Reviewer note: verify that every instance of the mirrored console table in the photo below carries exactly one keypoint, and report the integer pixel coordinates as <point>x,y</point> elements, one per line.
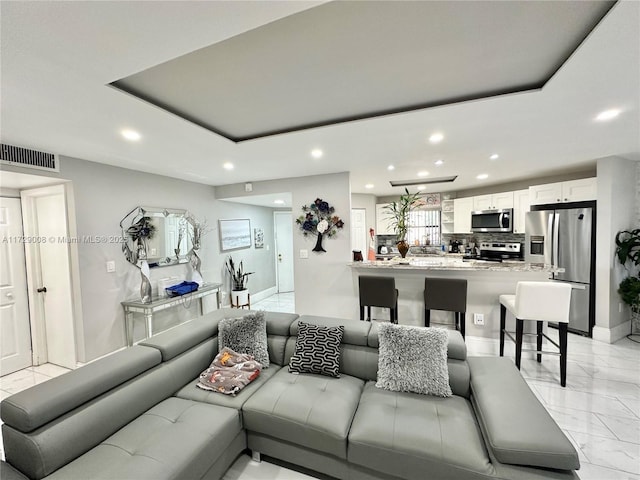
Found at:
<point>158,304</point>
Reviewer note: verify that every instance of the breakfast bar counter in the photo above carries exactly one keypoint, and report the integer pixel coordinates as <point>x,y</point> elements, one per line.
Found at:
<point>486,281</point>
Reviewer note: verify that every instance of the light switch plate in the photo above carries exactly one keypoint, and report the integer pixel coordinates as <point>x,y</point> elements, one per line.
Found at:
<point>111,266</point>
<point>304,253</point>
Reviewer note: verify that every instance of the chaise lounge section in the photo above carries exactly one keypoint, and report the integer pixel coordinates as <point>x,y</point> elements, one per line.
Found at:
<point>138,414</point>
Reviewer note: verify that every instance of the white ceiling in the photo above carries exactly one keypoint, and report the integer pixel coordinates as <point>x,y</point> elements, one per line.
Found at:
<point>59,57</point>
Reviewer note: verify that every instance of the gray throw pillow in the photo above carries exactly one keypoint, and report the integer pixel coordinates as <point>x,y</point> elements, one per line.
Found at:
<point>317,350</point>
<point>246,334</point>
<point>413,359</point>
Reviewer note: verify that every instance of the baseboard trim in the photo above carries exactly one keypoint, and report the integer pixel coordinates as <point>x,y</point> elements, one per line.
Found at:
<point>612,335</point>
<point>258,296</point>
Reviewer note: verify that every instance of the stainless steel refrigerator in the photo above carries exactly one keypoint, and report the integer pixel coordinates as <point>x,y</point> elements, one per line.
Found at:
<point>564,235</point>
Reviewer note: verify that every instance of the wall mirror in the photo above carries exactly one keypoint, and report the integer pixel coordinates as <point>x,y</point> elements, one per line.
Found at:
<point>161,236</point>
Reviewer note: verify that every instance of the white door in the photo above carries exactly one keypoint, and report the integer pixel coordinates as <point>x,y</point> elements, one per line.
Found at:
<point>15,331</point>
<point>359,230</point>
<point>283,225</point>
<point>49,275</point>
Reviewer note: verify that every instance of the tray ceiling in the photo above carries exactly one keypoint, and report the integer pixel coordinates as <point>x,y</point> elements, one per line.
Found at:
<point>345,61</point>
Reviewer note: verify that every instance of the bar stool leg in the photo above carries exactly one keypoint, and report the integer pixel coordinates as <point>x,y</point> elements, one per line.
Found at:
<point>519,329</point>
<point>462,324</point>
<point>427,318</point>
<point>361,312</point>
<point>539,340</point>
<point>368,313</point>
<point>562,327</point>
<point>503,322</point>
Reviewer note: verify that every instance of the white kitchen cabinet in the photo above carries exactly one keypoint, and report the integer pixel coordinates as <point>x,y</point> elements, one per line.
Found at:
<point>570,191</point>
<point>495,201</point>
<point>383,222</point>
<point>448,216</point>
<point>462,208</point>
<point>521,206</point>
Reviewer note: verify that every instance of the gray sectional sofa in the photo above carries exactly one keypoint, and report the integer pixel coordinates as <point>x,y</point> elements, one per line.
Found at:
<point>137,414</point>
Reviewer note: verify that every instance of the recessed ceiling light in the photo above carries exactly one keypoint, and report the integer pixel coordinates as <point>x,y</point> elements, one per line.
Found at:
<point>439,162</point>
<point>482,176</point>
<point>279,202</point>
<point>608,114</point>
<point>423,173</point>
<point>420,187</point>
<point>131,135</point>
<point>391,167</point>
<point>227,166</point>
<point>369,185</point>
<point>316,153</point>
<point>436,137</point>
<point>494,156</point>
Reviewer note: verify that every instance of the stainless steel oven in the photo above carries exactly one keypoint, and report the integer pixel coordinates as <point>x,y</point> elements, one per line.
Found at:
<point>492,220</point>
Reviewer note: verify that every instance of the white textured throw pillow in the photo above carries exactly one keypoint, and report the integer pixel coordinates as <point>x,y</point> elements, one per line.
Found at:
<point>247,335</point>
<point>413,359</point>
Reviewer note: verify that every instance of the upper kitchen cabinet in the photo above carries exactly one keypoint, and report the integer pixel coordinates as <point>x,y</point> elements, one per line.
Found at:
<point>447,216</point>
<point>521,206</point>
<point>462,208</point>
<point>571,191</point>
<point>495,201</point>
<point>383,222</point>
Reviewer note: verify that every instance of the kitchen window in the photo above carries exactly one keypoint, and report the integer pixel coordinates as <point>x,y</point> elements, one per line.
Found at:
<point>424,227</point>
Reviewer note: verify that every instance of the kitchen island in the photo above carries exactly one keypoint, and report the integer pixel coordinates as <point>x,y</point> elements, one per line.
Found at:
<point>486,281</point>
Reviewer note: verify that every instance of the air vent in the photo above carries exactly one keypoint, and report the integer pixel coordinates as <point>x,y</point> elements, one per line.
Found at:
<point>24,157</point>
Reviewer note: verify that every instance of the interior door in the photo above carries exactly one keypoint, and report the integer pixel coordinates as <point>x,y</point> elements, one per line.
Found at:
<point>283,225</point>
<point>359,230</point>
<point>15,330</point>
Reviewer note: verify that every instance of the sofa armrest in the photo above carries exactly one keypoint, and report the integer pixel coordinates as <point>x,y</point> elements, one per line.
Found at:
<point>7,472</point>
<point>516,426</point>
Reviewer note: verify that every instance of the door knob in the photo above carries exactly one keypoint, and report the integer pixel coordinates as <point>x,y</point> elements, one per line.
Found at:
<point>42,290</point>
<point>279,257</point>
<point>9,295</point>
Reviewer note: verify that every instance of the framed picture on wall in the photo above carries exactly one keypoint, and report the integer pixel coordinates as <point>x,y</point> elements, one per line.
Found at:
<point>235,234</point>
<point>258,238</point>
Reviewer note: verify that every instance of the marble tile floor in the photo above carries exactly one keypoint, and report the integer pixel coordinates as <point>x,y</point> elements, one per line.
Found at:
<point>599,410</point>
<point>280,302</point>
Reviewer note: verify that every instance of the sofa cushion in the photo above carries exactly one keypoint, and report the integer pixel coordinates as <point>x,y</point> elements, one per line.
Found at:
<point>413,359</point>
<point>506,407</point>
<point>309,410</point>
<point>406,434</point>
<point>27,410</point>
<point>175,439</point>
<point>317,350</point>
<point>191,392</point>
<point>355,331</point>
<point>246,334</point>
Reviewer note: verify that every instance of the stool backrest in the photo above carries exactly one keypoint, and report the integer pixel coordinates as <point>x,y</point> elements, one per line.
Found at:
<point>546,301</point>
<point>449,294</point>
<point>377,291</point>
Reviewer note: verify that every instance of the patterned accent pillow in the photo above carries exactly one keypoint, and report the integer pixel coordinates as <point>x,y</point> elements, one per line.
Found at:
<point>317,350</point>
<point>246,334</point>
<point>413,359</point>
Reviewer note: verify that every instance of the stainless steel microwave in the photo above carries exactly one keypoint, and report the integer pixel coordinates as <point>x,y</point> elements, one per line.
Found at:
<point>492,220</point>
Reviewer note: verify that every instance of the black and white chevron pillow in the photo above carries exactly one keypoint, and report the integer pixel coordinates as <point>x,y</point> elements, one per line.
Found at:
<point>317,350</point>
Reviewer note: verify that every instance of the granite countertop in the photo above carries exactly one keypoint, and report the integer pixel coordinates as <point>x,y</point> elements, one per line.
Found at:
<point>448,263</point>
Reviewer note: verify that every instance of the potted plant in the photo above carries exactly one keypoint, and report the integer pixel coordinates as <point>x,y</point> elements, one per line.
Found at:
<point>399,216</point>
<point>239,279</point>
<point>628,253</point>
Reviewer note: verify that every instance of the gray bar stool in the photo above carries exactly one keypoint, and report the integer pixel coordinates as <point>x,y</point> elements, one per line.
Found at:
<point>378,292</point>
<point>448,294</point>
<point>539,302</point>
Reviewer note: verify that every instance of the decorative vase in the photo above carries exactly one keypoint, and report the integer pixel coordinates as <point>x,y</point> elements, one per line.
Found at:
<point>239,298</point>
<point>403,248</point>
<point>318,247</point>
<point>195,263</point>
<point>145,285</point>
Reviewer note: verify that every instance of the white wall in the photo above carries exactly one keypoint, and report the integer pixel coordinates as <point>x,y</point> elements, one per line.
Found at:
<point>323,282</point>
<point>616,210</point>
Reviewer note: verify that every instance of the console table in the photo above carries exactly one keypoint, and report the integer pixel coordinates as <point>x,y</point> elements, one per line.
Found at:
<point>158,304</point>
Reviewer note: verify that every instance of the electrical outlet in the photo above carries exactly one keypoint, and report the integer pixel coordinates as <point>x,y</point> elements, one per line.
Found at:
<point>478,319</point>
<point>304,253</point>
<point>111,266</point>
